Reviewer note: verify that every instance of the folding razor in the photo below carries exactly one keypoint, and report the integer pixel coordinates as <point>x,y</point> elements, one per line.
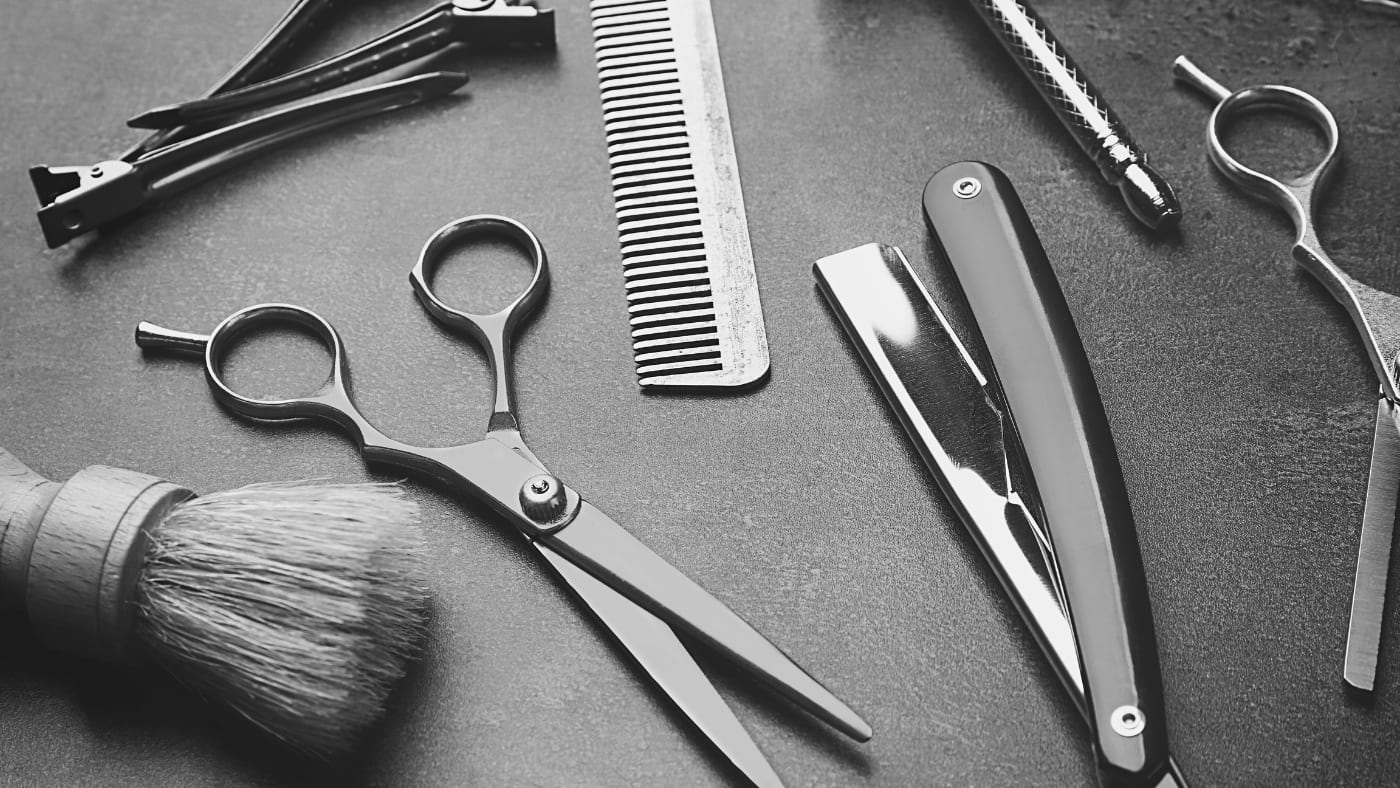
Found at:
<point>1021,449</point>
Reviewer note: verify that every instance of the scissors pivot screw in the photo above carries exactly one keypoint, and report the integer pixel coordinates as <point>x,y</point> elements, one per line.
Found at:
<point>542,497</point>
<point>1128,721</point>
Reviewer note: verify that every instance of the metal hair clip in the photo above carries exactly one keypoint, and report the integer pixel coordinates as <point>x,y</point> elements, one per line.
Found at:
<point>193,144</point>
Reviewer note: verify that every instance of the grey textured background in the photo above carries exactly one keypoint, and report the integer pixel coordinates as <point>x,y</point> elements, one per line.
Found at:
<point>1241,402</point>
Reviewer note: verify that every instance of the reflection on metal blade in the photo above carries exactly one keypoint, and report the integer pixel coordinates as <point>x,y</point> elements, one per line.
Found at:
<point>922,367</point>
<point>947,407</point>
<point>604,549</point>
<point>662,655</point>
<point>1373,558</point>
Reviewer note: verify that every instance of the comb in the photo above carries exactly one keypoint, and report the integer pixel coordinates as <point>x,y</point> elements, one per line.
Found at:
<point>692,294</point>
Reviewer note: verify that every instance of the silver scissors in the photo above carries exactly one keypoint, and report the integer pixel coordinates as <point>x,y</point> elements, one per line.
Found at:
<point>637,595</point>
<point>1375,313</point>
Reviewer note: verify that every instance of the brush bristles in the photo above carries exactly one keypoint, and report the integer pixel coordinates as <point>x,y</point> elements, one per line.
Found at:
<point>296,604</point>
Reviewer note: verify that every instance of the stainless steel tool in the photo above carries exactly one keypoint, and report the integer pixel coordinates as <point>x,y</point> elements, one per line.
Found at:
<point>640,597</point>
<point>1022,451</point>
<point>1380,6</point>
<point>75,200</point>
<point>692,293</point>
<point>1083,110</point>
<point>195,140</point>
<point>480,23</point>
<point>1376,315</point>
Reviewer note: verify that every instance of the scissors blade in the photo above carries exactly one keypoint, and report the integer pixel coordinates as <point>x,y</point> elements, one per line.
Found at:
<point>662,655</point>
<point>599,545</point>
<point>1373,557</point>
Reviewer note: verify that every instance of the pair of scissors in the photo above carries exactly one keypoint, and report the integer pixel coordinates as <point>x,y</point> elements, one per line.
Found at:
<point>636,594</point>
<point>1375,313</point>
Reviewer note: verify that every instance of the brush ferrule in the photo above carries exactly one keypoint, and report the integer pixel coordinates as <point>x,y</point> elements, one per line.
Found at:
<point>83,567</point>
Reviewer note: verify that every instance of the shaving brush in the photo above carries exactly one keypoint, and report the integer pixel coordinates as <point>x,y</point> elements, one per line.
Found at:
<point>297,604</point>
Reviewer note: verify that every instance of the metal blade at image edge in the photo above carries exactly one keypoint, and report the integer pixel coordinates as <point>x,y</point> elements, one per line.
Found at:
<point>1373,556</point>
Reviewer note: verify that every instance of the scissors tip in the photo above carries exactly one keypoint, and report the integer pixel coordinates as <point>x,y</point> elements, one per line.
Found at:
<point>863,733</point>
<point>1359,672</point>
<point>1362,684</point>
<point>844,719</point>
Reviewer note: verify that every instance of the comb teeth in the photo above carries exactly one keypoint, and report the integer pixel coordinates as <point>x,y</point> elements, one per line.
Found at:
<point>692,295</point>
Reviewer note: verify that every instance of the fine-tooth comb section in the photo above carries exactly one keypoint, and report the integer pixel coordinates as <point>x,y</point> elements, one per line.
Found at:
<point>692,296</point>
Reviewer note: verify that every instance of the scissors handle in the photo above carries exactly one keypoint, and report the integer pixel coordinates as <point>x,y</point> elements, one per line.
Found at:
<point>496,471</point>
<point>1297,195</point>
<point>495,332</point>
<point>1376,314</point>
<point>331,402</point>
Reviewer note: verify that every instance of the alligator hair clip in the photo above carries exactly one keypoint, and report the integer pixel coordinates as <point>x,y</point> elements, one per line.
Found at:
<point>195,140</point>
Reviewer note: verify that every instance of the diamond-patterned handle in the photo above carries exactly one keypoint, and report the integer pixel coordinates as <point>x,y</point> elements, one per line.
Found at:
<point>1076,102</point>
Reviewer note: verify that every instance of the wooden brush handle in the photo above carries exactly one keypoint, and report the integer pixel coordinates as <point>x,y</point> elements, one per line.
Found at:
<point>24,497</point>
<point>70,554</point>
